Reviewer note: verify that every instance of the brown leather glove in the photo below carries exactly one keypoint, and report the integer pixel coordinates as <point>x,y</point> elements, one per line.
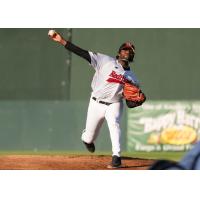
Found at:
<point>133,95</point>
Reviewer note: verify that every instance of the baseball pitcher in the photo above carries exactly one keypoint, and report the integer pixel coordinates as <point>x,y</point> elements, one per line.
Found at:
<point>113,81</point>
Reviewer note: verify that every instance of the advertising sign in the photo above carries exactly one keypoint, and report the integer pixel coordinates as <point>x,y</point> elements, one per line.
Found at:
<point>164,126</point>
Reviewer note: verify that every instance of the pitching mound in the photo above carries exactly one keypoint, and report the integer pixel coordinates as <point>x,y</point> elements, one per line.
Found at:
<point>68,162</point>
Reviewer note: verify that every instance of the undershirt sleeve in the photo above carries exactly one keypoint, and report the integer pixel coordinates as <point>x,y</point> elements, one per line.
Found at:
<point>78,51</point>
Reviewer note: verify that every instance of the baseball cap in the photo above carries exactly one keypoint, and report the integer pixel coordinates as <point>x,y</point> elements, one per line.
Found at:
<point>127,45</point>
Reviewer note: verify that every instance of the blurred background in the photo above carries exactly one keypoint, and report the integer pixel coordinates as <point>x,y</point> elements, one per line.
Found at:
<point>45,90</point>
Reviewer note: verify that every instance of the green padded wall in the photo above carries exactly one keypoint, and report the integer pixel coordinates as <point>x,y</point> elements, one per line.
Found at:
<point>44,90</point>
<point>48,126</point>
<point>167,60</point>
<point>32,66</point>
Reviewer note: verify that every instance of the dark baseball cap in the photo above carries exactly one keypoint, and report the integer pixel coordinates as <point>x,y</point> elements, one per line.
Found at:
<point>127,45</point>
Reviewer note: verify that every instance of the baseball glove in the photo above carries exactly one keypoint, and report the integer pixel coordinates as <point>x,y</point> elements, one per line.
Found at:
<point>133,95</point>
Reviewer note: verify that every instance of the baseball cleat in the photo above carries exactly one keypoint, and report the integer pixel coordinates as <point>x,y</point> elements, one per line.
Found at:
<point>110,166</point>
<point>90,147</point>
<point>116,163</point>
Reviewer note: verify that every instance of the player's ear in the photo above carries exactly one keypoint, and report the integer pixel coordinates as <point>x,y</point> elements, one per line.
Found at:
<point>117,56</point>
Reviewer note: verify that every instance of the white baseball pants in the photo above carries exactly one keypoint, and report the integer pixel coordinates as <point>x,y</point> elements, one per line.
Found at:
<point>97,112</point>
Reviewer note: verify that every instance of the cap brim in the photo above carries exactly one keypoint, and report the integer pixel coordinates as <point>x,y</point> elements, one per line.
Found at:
<point>128,47</point>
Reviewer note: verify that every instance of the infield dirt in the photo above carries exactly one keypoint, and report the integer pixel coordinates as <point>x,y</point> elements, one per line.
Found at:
<point>68,162</point>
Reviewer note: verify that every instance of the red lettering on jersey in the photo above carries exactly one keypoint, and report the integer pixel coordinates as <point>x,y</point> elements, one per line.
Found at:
<point>116,78</point>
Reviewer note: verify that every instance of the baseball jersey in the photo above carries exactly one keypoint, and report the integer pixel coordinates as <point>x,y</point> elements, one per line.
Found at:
<point>109,77</point>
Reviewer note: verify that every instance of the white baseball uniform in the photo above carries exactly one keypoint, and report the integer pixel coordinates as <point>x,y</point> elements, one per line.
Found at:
<point>107,87</point>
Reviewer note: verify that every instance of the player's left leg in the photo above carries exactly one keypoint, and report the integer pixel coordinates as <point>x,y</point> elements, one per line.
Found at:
<point>113,117</point>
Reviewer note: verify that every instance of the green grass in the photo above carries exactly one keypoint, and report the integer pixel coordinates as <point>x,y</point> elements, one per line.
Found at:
<point>176,156</point>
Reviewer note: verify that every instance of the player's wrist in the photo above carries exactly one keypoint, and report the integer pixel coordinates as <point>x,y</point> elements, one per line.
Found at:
<point>63,42</point>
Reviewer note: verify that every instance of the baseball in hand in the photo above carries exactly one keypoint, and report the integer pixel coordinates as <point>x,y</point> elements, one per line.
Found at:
<point>51,33</point>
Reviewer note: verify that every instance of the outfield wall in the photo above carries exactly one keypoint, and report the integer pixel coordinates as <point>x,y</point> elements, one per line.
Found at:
<point>166,62</point>
<point>44,90</point>
<point>48,126</point>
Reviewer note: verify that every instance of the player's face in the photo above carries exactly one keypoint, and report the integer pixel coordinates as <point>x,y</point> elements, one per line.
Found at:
<point>126,54</point>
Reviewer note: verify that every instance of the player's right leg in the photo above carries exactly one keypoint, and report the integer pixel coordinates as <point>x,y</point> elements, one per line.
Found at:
<point>95,118</point>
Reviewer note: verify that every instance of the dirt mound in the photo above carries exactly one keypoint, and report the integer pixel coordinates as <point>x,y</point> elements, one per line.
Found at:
<point>68,162</point>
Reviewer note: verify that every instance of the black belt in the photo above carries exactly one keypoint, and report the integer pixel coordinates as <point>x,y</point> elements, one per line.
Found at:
<point>102,102</point>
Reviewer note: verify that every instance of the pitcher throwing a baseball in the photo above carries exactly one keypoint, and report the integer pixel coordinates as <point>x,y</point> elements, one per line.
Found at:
<point>106,102</point>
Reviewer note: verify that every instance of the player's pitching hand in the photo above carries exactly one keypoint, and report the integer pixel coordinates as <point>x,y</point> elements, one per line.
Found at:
<point>56,37</point>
